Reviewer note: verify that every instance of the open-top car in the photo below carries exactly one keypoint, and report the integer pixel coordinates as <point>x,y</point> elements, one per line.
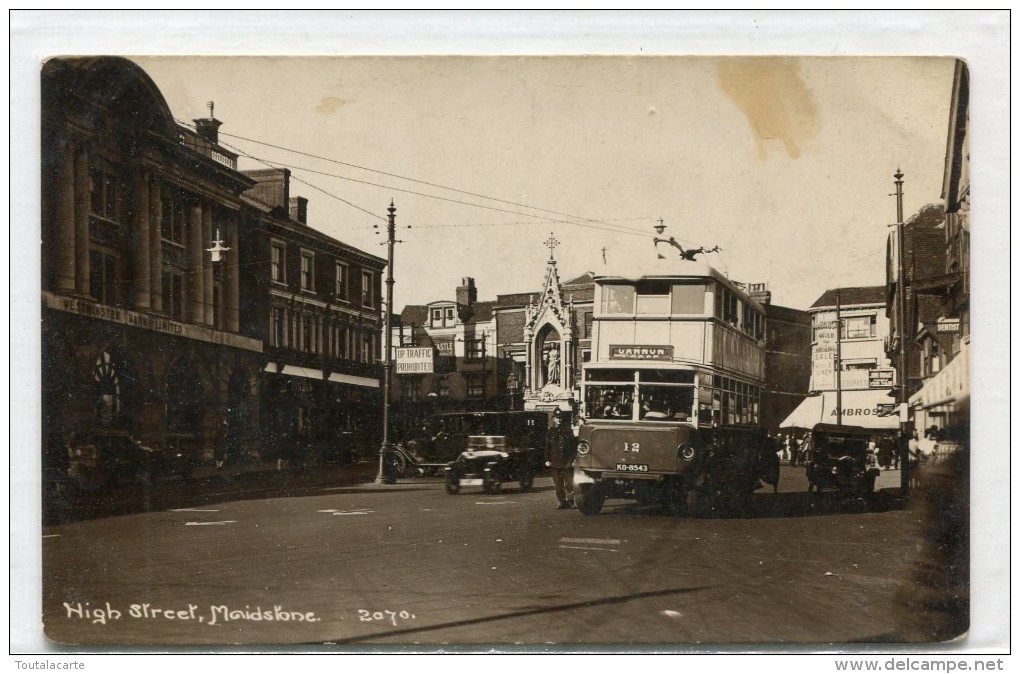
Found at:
<point>489,461</point>
<point>837,460</point>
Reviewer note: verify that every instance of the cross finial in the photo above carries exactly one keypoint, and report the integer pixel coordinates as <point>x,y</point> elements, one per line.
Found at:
<point>551,242</point>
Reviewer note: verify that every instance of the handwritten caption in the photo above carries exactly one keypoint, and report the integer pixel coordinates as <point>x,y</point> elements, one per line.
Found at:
<point>384,616</point>
<point>209,615</point>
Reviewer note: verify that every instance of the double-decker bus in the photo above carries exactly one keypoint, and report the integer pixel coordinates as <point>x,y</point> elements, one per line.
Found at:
<point>670,394</point>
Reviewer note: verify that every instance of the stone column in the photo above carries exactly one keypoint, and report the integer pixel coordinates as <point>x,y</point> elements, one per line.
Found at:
<point>141,268</point>
<point>156,244</point>
<point>196,293</point>
<point>567,354</point>
<point>529,346</point>
<point>233,277</point>
<point>82,197</point>
<point>207,269</point>
<point>64,221</point>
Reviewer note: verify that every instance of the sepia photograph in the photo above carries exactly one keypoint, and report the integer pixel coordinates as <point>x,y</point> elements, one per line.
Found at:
<point>532,352</point>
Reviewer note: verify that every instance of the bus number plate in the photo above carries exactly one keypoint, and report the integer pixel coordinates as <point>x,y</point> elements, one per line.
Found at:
<point>632,467</point>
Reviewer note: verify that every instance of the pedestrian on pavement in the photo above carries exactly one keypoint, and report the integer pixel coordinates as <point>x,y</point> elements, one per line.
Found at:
<point>885,452</point>
<point>560,449</point>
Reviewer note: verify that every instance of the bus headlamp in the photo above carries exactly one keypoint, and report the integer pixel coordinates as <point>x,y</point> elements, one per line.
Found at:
<point>686,452</point>
<point>583,448</point>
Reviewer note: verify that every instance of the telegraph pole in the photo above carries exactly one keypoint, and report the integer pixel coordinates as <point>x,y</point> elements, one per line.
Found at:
<point>384,449</point>
<point>901,299</point>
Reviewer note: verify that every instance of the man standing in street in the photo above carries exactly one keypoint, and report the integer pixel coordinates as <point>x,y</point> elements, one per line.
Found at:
<point>560,450</point>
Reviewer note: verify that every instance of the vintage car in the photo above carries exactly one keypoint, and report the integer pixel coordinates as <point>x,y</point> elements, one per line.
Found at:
<point>836,459</point>
<point>488,462</point>
<point>445,437</point>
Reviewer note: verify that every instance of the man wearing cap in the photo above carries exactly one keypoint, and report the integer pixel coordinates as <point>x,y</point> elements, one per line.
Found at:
<point>560,450</point>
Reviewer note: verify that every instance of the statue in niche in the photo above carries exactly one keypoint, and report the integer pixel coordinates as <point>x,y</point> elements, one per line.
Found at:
<point>553,367</point>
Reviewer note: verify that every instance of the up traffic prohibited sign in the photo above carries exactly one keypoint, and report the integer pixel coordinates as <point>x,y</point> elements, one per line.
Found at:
<point>414,360</point>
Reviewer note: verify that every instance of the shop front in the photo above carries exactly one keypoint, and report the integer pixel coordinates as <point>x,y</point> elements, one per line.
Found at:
<point>868,409</point>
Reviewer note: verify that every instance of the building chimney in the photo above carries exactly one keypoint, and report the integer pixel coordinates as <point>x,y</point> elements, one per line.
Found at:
<point>299,209</point>
<point>272,187</point>
<point>760,293</point>
<point>208,128</point>
<point>467,295</point>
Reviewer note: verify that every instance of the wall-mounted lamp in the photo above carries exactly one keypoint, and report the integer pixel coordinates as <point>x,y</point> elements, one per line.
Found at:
<point>218,248</point>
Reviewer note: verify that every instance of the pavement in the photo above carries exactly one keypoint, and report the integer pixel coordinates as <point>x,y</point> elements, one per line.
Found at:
<point>205,484</point>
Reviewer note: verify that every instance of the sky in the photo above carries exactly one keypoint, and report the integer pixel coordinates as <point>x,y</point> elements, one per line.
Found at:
<point>786,164</point>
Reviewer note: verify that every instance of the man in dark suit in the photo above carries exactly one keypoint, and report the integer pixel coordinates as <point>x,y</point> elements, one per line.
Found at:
<point>560,449</point>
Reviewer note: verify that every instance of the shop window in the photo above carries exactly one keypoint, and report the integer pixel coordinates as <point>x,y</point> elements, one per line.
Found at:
<point>307,333</point>
<point>476,386</point>
<point>276,333</point>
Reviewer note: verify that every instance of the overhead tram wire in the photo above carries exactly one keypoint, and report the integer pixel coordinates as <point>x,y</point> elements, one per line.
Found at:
<point>414,180</point>
<point>585,221</point>
<point>578,221</point>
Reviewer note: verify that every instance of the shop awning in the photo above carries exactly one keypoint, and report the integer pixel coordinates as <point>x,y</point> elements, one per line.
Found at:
<point>870,409</point>
<point>309,373</point>
<point>948,387</point>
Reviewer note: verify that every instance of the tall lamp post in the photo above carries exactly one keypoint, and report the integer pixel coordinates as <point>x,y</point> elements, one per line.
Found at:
<point>382,477</point>
<point>901,310</point>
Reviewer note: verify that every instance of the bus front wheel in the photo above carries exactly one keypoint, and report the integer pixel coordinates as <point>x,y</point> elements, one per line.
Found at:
<point>589,499</point>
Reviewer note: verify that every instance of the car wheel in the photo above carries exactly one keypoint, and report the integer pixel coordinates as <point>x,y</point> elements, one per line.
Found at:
<point>526,479</point>
<point>589,499</point>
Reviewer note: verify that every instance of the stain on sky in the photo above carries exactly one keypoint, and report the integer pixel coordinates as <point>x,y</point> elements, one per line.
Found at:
<point>330,104</point>
<point>775,100</point>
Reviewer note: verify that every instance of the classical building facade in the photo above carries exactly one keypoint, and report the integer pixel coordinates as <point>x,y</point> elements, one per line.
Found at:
<point>141,323</point>
<point>315,304</point>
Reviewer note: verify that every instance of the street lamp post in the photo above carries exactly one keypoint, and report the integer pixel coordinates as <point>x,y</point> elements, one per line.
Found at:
<point>901,310</point>
<point>382,477</point>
